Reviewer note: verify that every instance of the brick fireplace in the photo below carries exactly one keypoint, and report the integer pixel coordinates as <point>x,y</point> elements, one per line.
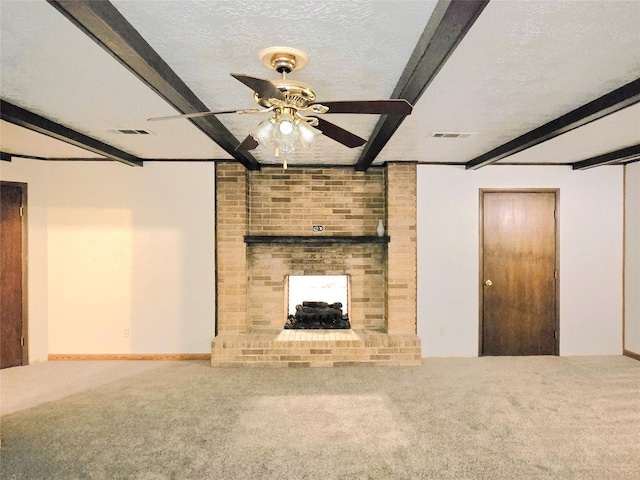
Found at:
<point>265,232</point>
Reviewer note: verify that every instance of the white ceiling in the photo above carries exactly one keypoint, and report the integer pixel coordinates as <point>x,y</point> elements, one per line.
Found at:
<point>19,140</point>
<point>522,64</point>
<point>53,69</point>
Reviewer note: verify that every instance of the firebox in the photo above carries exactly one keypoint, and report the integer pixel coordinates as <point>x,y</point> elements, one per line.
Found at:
<point>317,302</point>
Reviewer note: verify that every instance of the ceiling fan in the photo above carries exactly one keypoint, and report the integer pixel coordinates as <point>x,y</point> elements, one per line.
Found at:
<point>294,123</point>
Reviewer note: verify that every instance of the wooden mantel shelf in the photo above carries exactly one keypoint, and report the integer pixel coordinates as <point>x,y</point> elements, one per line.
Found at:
<point>315,239</point>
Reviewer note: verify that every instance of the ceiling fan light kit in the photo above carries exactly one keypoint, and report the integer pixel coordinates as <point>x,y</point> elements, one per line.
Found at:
<point>290,129</point>
<point>285,133</point>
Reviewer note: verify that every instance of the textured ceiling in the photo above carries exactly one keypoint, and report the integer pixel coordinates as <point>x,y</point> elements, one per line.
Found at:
<point>357,51</point>
<point>14,139</point>
<point>53,69</point>
<point>610,133</point>
<point>522,64</point>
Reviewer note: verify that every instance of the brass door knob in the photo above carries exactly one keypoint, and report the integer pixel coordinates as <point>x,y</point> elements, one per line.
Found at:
<point>488,283</point>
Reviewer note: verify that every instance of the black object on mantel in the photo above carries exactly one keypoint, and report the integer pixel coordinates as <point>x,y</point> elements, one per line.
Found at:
<point>317,315</point>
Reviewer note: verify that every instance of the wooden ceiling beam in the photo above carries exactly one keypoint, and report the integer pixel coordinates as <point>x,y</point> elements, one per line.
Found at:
<point>7,157</point>
<point>24,118</point>
<point>104,24</point>
<point>449,23</point>
<point>614,101</point>
<point>624,155</point>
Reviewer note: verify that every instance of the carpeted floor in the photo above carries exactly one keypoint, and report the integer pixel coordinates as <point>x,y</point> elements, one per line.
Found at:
<point>460,418</point>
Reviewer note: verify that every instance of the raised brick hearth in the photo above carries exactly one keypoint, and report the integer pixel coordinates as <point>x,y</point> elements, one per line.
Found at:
<point>316,348</point>
<point>264,232</point>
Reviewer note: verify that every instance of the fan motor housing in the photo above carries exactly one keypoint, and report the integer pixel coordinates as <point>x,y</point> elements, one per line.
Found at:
<point>298,94</point>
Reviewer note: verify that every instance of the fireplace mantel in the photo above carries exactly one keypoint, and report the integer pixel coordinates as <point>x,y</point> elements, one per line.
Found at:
<point>316,239</point>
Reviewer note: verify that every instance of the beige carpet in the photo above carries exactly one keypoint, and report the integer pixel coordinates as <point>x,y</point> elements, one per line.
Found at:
<point>462,418</point>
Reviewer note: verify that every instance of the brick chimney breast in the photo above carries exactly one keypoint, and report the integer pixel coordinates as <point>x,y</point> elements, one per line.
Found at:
<point>280,208</point>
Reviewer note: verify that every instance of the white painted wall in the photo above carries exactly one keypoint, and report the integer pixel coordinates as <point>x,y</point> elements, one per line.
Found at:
<point>113,248</point>
<point>34,174</point>
<point>632,258</point>
<point>590,255</point>
<point>131,258</point>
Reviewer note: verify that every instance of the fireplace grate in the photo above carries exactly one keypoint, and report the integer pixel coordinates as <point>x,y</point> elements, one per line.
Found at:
<point>317,315</point>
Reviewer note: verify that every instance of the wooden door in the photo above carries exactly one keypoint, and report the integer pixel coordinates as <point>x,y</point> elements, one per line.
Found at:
<point>11,276</point>
<point>519,269</point>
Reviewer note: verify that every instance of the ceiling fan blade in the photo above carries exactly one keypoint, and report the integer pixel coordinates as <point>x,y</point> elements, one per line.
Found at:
<point>380,107</point>
<point>194,115</point>
<point>339,134</point>
<point>264,88</point>
<point>248,143</point>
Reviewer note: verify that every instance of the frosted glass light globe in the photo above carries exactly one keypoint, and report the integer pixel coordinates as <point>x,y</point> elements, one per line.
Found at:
<point>286,126</point>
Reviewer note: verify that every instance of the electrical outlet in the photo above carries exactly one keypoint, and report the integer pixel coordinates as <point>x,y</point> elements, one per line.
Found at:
<point>318,228</point>
<point>127,333</point>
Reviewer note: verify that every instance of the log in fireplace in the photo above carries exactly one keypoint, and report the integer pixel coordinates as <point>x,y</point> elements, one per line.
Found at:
<point>317,315</point>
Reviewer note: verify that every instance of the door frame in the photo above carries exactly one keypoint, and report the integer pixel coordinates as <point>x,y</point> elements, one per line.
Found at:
<point>481,192</point>
<point>25,256</point>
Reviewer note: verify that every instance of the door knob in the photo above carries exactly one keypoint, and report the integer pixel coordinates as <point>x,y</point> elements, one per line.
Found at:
<point>488,283</point>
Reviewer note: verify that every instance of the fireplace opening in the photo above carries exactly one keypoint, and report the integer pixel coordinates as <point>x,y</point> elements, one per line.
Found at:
<point>317,302</point>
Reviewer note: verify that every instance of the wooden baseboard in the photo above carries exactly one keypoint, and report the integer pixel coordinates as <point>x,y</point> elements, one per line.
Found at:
<point>129,356</point>
<point>630,354</point>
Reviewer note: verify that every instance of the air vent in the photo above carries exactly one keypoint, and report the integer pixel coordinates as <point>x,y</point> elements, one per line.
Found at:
<point>129,131</point>
<point>451,135</point>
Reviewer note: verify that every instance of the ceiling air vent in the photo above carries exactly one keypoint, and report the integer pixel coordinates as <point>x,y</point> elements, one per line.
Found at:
<point>129,131</point>
<point>450,135</point>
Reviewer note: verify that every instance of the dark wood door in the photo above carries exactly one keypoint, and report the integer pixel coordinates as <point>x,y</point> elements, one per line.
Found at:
<point>11,319</point>
<point>519,273</point>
